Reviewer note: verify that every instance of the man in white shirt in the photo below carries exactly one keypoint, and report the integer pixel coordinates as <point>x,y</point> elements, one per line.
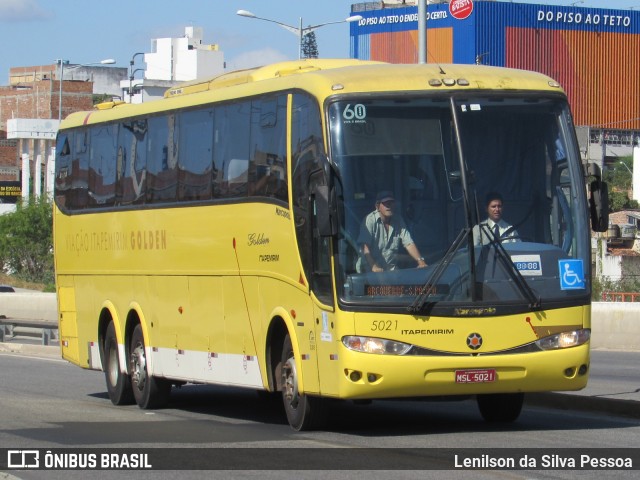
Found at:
<point>494,227</point>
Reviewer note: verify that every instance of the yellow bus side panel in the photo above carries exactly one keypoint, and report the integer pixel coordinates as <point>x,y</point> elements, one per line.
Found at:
<point>201,321</point>
<point>67,319</point>
<point>206,307</point>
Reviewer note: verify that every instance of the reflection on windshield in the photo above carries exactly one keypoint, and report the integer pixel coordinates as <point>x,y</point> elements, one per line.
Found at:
<point>503,170</point>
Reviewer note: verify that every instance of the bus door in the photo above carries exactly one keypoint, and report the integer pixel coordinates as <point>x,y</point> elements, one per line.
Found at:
<point>327,342</point>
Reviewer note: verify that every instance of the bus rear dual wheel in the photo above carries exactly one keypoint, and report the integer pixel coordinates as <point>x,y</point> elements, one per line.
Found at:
<point>118,383</point>
<point>150,392</point>
<point>147,391</point>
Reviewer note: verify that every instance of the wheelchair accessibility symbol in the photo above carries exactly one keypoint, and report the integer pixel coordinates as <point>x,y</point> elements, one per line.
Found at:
<point>571,274</point>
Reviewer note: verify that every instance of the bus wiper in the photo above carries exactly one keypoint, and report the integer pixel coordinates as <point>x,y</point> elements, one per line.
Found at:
<point>512,270</point>
<point>430,285</point>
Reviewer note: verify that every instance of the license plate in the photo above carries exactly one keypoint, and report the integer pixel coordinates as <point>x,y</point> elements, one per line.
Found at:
<point>475,376</point>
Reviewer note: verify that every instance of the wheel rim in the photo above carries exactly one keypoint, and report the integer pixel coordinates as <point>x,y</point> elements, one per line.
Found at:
<point>290,377</point>
<point>113,366</point>
<point>138,367</point>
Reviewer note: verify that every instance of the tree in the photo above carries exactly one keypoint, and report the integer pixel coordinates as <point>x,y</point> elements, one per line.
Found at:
<point>619,180</point>
<point>101,97</point>
<point>309,46</point>
<point>26,241</point>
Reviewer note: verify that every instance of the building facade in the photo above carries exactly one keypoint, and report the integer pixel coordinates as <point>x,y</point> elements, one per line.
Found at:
<point>36,98</point>
<point>30,109</point>
<point>172,60</point>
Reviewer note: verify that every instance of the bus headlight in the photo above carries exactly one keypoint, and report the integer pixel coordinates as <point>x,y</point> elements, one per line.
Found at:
<point>378,346</point>
<point>564,339</point>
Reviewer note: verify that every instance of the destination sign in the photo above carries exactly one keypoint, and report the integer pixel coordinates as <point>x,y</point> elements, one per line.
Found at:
<point>403,290</point>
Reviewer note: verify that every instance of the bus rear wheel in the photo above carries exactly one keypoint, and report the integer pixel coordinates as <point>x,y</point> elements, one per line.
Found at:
<point>303,412</point>
<point>118,383</point>
<point>149,391</point>
<point>500,407</point>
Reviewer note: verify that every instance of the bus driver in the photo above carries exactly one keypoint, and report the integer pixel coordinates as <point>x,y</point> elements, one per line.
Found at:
<point>494,227</point>
<point>382,235</point>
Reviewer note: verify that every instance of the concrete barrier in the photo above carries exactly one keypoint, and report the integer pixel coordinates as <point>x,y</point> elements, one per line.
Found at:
<point>615,325</point>
<point>29,305</point>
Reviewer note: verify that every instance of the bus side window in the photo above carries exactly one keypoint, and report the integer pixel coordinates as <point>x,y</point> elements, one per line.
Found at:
<point>160,177</point>
<point>103,158</point>
<point>236,176</point>
<point>63,179</point>
<point>268,172</point>
<point>307,149</point>
<point>231,149</point>
<point>196,155</point>
<point>78,194</point>
<point>131,172</point>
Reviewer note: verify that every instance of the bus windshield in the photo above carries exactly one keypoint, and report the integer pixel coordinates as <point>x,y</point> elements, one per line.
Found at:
<point>471,203</point>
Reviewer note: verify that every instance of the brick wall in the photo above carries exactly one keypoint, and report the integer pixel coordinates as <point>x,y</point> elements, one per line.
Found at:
<point>8,154</point>
<point>41,100</point>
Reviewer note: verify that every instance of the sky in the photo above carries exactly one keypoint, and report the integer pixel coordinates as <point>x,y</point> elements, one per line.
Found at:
<point>38,32</point>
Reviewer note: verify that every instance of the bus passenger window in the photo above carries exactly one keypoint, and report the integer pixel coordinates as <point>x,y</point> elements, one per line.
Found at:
<point>161,160</point>
<point>236,177</point>
<point>132,172</point>
<point>77,196</point>
<point>268,174</point>
<point>102,165</point>
<point>63,170</point>
<point>196,151</point>
<point>231,149</point>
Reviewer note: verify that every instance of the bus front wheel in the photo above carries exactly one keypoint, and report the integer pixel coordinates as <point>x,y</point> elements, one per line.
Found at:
<point>500,407</point>
<point>149,391</point>
<point>118,383</point>
<point>303,412</point>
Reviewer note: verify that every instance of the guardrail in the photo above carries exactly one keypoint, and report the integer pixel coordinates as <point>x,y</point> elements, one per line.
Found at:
<point>47,330</point>
<point>620,297</point>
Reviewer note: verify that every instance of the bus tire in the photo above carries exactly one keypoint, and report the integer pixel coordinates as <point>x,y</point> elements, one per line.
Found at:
<point>500,407</point>
<point>118,383</point>
<point>303,411</point>
<point>149,392</point>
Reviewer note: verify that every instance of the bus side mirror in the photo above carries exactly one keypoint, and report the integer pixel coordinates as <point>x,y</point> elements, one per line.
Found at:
<point>598,200</point>
<point>325,221</point>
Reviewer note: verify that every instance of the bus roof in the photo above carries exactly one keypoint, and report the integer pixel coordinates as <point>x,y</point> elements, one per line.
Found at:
<point>325,77</point>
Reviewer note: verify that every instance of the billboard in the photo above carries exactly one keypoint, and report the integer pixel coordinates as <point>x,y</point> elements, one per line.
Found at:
<point>593,52</point>
<point>10,191</point>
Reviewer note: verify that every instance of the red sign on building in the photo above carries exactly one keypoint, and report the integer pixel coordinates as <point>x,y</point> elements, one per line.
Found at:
<point>460,9</point>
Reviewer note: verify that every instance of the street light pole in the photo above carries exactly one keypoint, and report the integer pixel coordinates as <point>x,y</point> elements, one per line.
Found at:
<point>131,77</point>
<point>422,31</point>
<point>299,31</point>
<point>61,62</point>
<point>635,178</point>
<point>132,72</point>
<point>300,39</point>
<point>625,166</point>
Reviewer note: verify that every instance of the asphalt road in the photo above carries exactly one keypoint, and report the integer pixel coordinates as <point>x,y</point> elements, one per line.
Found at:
<point>50,404</point>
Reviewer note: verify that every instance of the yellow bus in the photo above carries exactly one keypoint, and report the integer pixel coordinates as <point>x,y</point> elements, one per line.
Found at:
<point>223,235</point>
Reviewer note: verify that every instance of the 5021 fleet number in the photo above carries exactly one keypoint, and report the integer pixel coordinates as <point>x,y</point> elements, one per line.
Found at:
<point>384,325</point>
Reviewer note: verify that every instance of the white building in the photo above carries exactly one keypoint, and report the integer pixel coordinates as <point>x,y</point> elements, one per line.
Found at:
<point>105,79</point>
<point>172,60</point>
